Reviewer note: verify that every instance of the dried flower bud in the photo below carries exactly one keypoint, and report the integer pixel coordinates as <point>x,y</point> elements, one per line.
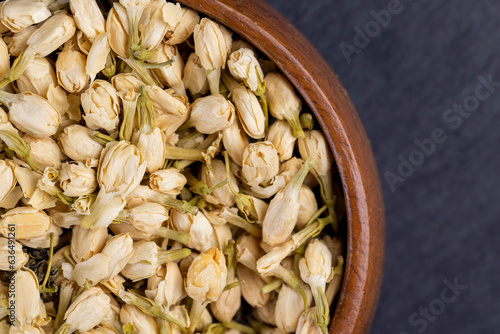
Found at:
<point>65,219</point>
<point>248,251</point>
<point>260,163</point>
<point>195,79</point>
<point>223,195</point>
<point>31,114</point>
<point>308,206</point>
<point>70,66</point>
<point>315,146</point>
<point>77,179</point>
<point>117,27</point>
<point>181,22</point>
<point>316,265</point>
<point>147,217</point>
<point>29,222</point>
<point>211,48</point>
<point>245,67</point>
<point>37,77</point>
<point>121,168</point>
<point>152,147</point>
<point>307,323</point>
<point>267,313</point>
<point>212,113</point>
<point>210,45</point>
<point>225,307</point>
<point>235,141</point>
<point>283,101</point>
<point>201,232</point>
<point>170,289</point>
<point>98,54</point>
<point>249,111</point>
<point>148,258</point>
<point>251,290</point>
<point>119,248</point>
<point>101,106</point>
<point>88,310</point>
<point>283,210</point>
<point>206,276</point>
<point>142,322</point>
<point>92,271</point>
<point>316,270</point>
<point>168,181</point>
<point>88,17</point>
<point>26,301</point>
<point>153,25</point>
<point>289,307</point>
<point>53,33</point>
<point>45,152</point>
<point>87,243</point>
<point>169,75</point>
<point>77,143</point>
<point>280,134</point>
<point>171,110</point>
<point>8,180</point>
<point>18,42</point>
<point>20,14</point>
<point>8,249</point>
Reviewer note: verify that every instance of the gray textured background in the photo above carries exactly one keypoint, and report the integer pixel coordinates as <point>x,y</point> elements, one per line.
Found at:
<point>442,222</point>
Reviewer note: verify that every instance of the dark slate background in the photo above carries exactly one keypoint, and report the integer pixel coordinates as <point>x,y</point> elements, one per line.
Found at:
<point>442,222</point>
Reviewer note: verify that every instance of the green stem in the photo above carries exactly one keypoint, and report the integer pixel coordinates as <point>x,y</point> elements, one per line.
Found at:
<point>242,223</point>
<point>172,255</point>
<point>176,204</point>
<point>127,127</point>
<point>167,233</point>
<point>244,202</point>
<point>275,283</point>
<point>149,307</point>
<point>322,309</point>
<point>68,257</point>
<point>146,113</point>
<point>17,68</point>
<point>294,121</point>
<point>101,138</point>
<point>233,285</point>
<point>195,315</point>
<point>289,278</point>
<point>63,329</point>
<point>239,327</point>
<point>43,288</point>
<point>18,145</point>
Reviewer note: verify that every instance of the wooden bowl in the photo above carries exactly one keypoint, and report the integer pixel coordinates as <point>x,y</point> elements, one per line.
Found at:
<point>301,63</point>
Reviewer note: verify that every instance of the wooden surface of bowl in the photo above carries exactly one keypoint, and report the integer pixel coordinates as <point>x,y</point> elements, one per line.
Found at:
<point>305,68</point>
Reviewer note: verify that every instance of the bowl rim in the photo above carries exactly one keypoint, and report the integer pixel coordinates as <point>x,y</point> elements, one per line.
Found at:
<point>276,37</point>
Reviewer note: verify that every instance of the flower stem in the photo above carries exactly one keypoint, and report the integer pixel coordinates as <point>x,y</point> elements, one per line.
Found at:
<point>239,327</point>
<point>195,315</point>
<point>242,223</point>
<point>43,288</point>
<point>168,233</point>
<point>101,138</point>
<point>17,68</point>
<point>294,121</point>
<point>275,283</point>
<point>172,255</point>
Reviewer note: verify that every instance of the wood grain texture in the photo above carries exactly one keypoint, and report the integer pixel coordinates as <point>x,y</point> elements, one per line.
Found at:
<point>300,62</point>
